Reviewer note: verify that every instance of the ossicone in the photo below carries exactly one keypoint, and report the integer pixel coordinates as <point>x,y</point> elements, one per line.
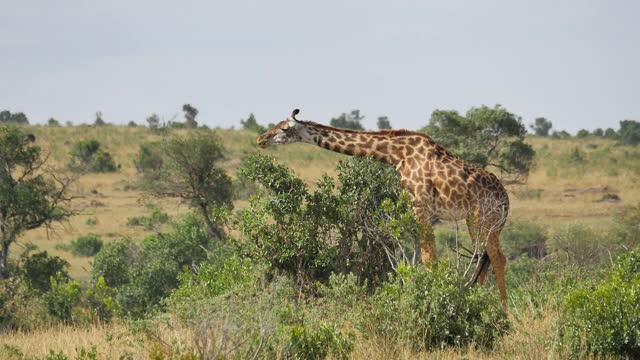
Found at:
<point>29,137</point>
<point>294,113</point>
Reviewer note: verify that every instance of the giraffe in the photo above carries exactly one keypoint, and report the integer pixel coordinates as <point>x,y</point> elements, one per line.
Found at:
<point>440,185</point>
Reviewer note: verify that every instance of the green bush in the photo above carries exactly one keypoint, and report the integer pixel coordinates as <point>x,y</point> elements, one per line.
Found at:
<point>157,217</point>
<point>149,160</point>
<point>523,237</point>
<point>430,308</point>
<point>627,226</point>
<point>605,319</point>
<point>579,245</point>
<point>86,245</point>
<point>258,317</point>
<point>210,280</point>
<point>63,297</point>
<point>113,261</point>
<point>363,225</point>
<point>87,155</point>
<point>538,284</point>
<point>144,275</point>
<point>37,270</point>
<point>102,300</point>
<point>318,342</point>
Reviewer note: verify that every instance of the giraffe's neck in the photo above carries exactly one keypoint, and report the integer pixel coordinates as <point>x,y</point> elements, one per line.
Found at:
<point>378,145</point>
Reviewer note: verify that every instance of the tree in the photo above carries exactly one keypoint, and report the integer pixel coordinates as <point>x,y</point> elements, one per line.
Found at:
<point>190,114</point>
<point>541,126</point>
<point>487,137</point>
<point>582,133</point>
<point>383,123</point>
<point>6,117</point>
<point>629,132</point>
<point>252,124</point>
<point>31,194</point>
<point>153,121</point>
<point>610,134</point>
<point>348,121</point>
<point>53,122</point>
<point>189,170</point>
<point>598,132</point>
<point>562,134</point>
<point>132,124</point>
<point>99,121</point>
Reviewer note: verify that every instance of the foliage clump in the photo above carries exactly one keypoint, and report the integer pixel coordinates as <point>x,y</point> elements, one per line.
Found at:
<point>363,225</point>
<point>352,120</point>
<point>485,136</point>
<point>144,275</point>
<point>605,319</point>
<point>87,155</point>
<point>430,308</point>
<point>188,168</point>
<point>86,245</point>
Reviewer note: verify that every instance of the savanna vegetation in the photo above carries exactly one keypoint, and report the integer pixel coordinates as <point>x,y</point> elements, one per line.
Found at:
<point>174,241</point>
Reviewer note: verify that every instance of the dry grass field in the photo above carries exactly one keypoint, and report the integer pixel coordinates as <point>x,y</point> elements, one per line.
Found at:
<point>560,190</point>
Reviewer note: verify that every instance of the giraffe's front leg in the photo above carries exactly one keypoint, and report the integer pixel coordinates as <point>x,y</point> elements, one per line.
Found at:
<point>427,236</point>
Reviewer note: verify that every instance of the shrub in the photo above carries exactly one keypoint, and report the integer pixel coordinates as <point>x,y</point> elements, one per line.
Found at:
<point>210,280</point>
<point>358,226</point>
<point>37,270</point>
<point>63,297</point>
<point>579,245</point>
<point>627,226</point>
<point>112,263</point>
<point>317,343</point>
<point>605,319</point>
<point>537,284</point>
<point>582,133</point>
<point>102,300</point>
<point>430,308</point>
<point>523,237</point>
<point>258,318</point>
<point>86,245</point>
<point>87,155</point>
<point>144,275</point>
<point>158,217</point>
<point>149,161</point>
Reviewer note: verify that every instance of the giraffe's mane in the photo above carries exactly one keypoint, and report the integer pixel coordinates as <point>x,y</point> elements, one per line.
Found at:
<point>391,133</point>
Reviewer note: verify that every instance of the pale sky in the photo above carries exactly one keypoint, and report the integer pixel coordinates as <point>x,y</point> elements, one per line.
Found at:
<point>576,63</point>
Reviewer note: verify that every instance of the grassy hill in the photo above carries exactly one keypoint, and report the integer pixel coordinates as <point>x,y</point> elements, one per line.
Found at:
<point>568,184</point>
<point>582,181</point>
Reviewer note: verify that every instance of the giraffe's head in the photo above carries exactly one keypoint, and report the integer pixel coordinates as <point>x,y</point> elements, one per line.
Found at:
<point>287,131</point>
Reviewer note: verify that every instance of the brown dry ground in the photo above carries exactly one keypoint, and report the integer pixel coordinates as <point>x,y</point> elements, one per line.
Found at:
<point>558,192</point>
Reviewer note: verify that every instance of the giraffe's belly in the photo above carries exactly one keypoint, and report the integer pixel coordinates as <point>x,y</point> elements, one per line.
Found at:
<point>447,213</point>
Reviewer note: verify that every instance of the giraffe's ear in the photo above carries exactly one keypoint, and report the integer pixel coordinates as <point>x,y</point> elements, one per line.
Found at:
<point>294,113</point>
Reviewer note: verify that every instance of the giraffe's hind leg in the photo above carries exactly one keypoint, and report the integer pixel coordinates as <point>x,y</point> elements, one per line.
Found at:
<point>499,262</point>
<point>492,256</point>
<point>477,241</point>
<point>483,269</point>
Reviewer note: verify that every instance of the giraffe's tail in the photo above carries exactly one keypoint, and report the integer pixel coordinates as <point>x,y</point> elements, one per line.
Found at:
<point>482,266</point>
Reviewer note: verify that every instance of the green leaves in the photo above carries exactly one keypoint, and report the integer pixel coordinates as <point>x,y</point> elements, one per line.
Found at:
<point>605,319</point>
<point>86,155</point>
<point>487,137</point>
<point>430,308</point>
<point>361,225</point>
